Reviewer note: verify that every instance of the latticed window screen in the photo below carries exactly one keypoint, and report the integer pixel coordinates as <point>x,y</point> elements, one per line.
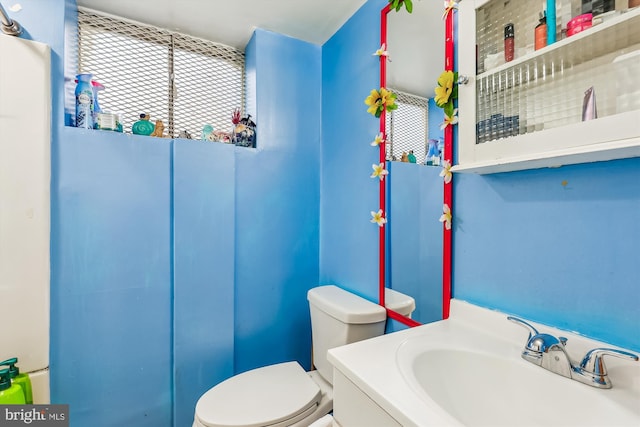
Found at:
<point>407,127</point>
<point>184,81</point>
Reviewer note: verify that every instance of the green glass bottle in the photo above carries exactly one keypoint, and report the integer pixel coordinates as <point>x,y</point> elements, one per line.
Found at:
<point>21,380</point>
<point>411,157</point>
<point>143,126</point>
<point>10,394</point>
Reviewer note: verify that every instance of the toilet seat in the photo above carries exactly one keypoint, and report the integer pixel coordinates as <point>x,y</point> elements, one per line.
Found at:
<point>274,395</point>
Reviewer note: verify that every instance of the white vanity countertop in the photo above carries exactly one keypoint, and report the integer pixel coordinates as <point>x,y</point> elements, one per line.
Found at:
<point>372,365</point>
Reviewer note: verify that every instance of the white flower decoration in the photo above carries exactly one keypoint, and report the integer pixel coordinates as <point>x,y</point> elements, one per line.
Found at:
<point>450,120</point>
<point>378,218</point>
<point>449,5</point>
<point>446,216</point>
<point>377,141</point>
<point>382,51</point>
<point>446,171</point>
<point>379,171</point>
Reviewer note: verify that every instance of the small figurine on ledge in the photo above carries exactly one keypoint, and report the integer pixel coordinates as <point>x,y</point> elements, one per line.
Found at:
<point>143,126</point>
<point>244,130</point>
<point>184,134</point>
<point>207,132</point>
<point>220,136</point>
<point>405,157</point>
<point>159,129</point>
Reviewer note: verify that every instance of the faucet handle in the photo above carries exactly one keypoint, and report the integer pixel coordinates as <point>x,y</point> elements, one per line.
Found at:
<point>543,343</point>
<point>532,331</point>
<point>593,361</point>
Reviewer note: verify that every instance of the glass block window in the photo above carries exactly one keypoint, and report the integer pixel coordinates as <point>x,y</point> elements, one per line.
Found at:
<point>407,127</point>
<point>184,81</point>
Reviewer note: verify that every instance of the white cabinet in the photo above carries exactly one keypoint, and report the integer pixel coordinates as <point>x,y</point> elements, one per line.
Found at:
<point>528,113</point>
<point>25,207</point>
<point>353,408</point>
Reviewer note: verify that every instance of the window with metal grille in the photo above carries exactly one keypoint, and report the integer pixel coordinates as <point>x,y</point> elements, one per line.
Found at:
<point>407,127</point>
<point>184,81</point>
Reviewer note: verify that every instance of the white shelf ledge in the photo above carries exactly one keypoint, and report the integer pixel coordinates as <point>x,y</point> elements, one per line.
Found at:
<point>553,159</point>
<point>607,138</point>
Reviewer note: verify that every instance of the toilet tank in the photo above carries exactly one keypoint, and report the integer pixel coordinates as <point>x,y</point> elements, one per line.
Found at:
<point>399,302</point>
<point>338,318</point>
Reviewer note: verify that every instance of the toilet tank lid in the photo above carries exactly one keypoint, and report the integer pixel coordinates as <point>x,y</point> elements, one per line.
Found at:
<point>399,302</point>
<point>345,306</point>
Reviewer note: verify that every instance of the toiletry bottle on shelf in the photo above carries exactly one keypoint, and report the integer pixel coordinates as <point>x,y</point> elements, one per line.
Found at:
<point>551,21</point>
<point>10,394</point>
<point>432,151</point>
<point>84,101</point>
<point>22,380</point>
<point>96,87</point>
<point>69,111</point>
<point>541,32</point>
<point>589,110</point>
<point>509,34</point>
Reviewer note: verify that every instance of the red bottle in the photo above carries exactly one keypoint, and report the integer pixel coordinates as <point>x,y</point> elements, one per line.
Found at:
<point>509,33</point>
<point>541,32</point>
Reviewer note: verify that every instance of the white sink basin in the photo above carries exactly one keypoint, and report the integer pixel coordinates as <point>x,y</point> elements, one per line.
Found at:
<point>485,389</point>
<point>468,371</point>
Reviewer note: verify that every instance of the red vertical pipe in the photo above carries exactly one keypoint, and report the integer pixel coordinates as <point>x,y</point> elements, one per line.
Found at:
<point>449,53</point>
<point>382,158</point>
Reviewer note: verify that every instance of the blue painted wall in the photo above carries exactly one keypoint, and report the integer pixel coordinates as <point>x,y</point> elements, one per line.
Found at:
<point>436,117</point>
<point>558,246</point>
<point>110,253</point>
<point>349,242</point>
<point>111,280</point>
<point>203,270</point>
<point>414,248</point>
<point>277,204</point>
<point>176,264</point>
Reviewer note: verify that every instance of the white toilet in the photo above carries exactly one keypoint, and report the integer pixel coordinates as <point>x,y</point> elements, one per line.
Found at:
<point>284,394</point>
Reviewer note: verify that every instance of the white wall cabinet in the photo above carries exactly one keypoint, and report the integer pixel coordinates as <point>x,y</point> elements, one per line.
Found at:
<point>528,113</point>
<point>25,200</point>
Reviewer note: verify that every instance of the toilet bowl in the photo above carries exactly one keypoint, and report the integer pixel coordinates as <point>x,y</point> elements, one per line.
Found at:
<point>284,394</point>
<point>277,395</point>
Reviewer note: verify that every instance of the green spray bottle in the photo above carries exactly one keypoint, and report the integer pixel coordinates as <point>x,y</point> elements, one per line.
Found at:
<point>21,380</point>
<point>10,394</point>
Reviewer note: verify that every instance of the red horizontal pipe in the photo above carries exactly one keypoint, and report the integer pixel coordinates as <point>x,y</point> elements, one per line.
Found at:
<point>402,319</point>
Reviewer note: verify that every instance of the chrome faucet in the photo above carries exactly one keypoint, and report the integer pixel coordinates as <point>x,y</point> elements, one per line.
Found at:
<point>550,353</point>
